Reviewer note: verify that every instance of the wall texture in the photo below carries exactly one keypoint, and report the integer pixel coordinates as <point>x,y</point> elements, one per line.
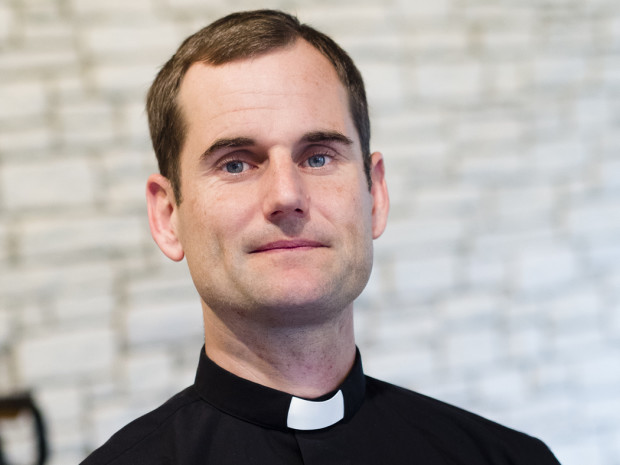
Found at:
<point>496,285</point>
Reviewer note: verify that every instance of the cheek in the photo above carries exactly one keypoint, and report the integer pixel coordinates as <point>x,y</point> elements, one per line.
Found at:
<point>217,216</point>
<point>351,209</point>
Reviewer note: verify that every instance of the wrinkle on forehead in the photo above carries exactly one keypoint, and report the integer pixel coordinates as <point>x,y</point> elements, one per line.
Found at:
<point>266,93</point>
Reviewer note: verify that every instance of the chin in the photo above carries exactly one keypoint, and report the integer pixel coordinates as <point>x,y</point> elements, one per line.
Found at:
<point>307,304</point>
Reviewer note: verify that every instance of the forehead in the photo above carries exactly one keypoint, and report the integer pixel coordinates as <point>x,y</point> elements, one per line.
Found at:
<point>276,93</point>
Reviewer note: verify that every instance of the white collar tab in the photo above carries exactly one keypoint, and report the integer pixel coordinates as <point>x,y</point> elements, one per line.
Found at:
<point>308,414</point>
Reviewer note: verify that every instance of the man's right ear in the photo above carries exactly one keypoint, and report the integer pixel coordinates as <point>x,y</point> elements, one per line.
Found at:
<point>162,211</point>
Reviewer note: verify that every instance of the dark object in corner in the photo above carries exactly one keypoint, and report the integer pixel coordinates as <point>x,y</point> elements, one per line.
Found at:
<point>13,405</point>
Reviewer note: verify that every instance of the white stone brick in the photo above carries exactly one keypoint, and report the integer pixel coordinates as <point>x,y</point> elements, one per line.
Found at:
<point>116,8</point>
<point>610,74</point>
<point>550,121</point>
<point>401,367</point>
<point>579,342</point>
<point>409,169</point>
<point>62,458</point>
<point>68,90</point>
<point>423,9</point>
<point>66,354</point>
<point>42,11</point>
<point>344,22</point>
<point>33,315</point>
<point>506,79</point>
<point>86,125</point>
<point>148,371</point>
<point>6,326</point>
<point>595,218</point>
<point>80,115</point>
<point>62,182</point>
<point>94,302</point>
<point>418,277</point>
<point>508,37</point>
<point>520,218</point>
<point>135,129</point>
<point>32,141</point>
<point>172,284</point>
<point>192,5</point>
<point>27,98</point>
<point>61,403</point>
<point>442,233</point>
<point>124,78</point>
<point>560,158</point>
<point>485,272</point>
<point>8,22</point>
<point>538,269</point>
<point>433,39</point>
<point>125,175</point>
<point>471,309</point>
<point>80,238</point>
<point>447,200</point>
<point>579,451</point>
<point>570,34</point>
<point>554,71</point>
<point>473,350</point>
<point>506,243</point>
<point>8,382</point>
<point>600,375</point>
<point>19,444</point>
<point>499,168</point>
<point>42,283</point>
<point>594,113</point>
<point>5,249</point>
<point>384,87</point>
<point>40,61</point>
<point>575,307</point>
<point>164,323</point>
<point>609,175</point>
<point>404,329</point>
<point>525,200</point>
<point>488,127</point>
<point>446,82</point>
<point>501,386</point>
<point>107,419</point>
<point>526,344</point>
<point>130,38</point>
<point>53,32</point>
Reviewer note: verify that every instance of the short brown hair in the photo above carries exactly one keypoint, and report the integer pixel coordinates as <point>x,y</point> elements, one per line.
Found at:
<point>237,36</point>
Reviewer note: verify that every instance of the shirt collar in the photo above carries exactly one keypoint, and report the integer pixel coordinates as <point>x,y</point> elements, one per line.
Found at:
<point>271,408</point>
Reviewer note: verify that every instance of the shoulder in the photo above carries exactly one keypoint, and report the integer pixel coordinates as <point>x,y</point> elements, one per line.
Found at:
<point>143,436</point>
<point>446,424</point>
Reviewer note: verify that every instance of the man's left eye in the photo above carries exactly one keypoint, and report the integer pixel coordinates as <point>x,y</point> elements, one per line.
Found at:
<point>235,166</point>
<point>317,161</point>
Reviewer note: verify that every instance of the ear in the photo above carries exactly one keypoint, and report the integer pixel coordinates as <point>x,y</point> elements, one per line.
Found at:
<point>162,210</point>
<point>379,192</point>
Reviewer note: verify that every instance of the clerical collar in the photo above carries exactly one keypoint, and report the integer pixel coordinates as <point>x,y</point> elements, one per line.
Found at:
<point>275,409</point>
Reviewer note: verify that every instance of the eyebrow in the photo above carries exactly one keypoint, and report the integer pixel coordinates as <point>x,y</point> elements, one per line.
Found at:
<point>227,143</point>
<point>326,136</point>
<point>310,137</point>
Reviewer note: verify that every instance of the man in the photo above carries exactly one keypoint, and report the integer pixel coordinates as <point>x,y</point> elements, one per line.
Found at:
<point>269,190</point>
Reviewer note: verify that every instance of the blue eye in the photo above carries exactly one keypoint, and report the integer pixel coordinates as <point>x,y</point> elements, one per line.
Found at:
<point>234,166</point>
<point>317,161</point>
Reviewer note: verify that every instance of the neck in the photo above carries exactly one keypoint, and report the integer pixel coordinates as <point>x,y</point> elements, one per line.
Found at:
<point>305,361</point>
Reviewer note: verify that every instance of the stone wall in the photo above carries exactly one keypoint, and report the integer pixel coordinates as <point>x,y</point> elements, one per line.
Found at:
<point>496,285</point>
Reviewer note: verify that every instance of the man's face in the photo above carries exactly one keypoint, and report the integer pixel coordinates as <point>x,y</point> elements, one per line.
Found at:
<point>276,220</point>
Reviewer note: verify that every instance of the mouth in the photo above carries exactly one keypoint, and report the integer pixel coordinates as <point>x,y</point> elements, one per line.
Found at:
<point>288,245</point>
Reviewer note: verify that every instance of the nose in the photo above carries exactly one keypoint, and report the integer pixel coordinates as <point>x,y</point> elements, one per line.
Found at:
<point>285,195</point>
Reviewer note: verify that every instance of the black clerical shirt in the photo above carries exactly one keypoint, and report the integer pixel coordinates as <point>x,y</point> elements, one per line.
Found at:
<point>223,419</point>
